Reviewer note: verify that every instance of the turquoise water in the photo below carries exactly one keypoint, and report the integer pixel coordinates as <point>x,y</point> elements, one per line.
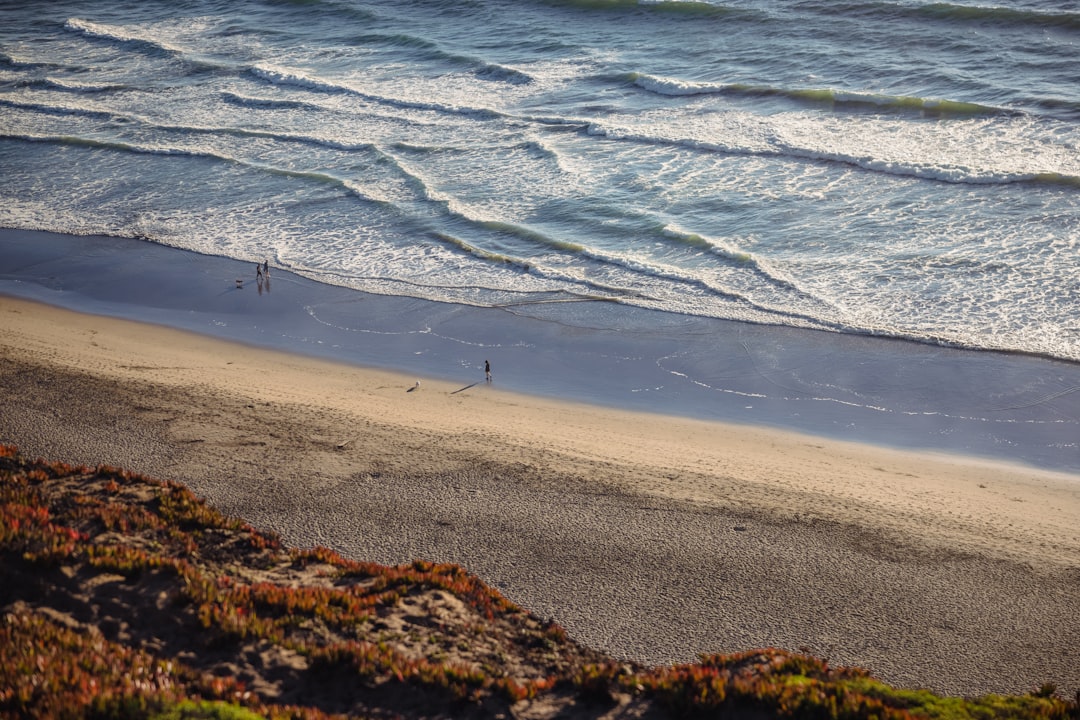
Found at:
<point>906,169</point>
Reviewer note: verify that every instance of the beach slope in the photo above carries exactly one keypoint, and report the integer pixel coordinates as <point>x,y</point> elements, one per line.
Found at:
<point>649,538</point>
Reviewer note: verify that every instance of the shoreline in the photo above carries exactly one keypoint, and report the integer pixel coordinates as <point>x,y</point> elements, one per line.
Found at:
<point>650,537</point>
<point>877,391</point>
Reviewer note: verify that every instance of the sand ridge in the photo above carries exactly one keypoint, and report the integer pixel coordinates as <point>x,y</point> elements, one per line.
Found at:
<point>650,537</point>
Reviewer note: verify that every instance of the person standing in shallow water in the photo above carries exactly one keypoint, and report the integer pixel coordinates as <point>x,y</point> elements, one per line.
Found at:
<point>487,371</point>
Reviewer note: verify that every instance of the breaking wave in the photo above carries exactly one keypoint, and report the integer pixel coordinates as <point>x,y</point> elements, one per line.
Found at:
<point>120,35</point>
<point>837,99</point>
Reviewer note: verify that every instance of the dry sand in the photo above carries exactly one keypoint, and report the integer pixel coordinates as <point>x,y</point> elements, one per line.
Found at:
<point>652,538</point>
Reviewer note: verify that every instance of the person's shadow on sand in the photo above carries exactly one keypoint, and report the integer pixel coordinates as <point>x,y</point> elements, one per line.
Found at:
<point>464,388</point>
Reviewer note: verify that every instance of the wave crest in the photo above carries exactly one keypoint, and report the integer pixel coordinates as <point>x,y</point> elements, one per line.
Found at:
<point>697,8</point>
<point>837,99</point>
<point>774,141</point>
<point>267,103</point>
<point>119,35</point>
<point>81,87</point>
<point>282,76</point>
<point>950,12</point>
<point>674,87</point>
<point>996,14</point>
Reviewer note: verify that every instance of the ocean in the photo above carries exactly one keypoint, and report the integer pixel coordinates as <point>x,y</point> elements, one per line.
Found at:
<point>898,168</point>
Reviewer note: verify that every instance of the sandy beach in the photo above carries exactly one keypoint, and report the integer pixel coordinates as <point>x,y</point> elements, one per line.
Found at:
<point>653,538</point>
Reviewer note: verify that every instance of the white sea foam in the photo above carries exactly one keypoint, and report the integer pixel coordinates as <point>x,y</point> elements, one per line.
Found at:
<point>741,258</point>
<point>675,87</point>
<point>83,87</point>
<point>16,61</point>
<point>119,34</point>
<point>57,108</point>
<point>299,78</point>
<point>282,76</point>
<point>269,103</point>
<point>1008,153</point>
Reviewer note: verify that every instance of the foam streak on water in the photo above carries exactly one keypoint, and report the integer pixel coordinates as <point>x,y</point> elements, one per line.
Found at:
<point>909,169</point>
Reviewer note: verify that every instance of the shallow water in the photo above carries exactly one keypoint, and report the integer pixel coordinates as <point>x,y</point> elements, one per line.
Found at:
<point>998,406</point>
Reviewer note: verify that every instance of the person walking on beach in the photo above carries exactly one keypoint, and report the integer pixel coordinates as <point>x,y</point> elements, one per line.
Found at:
<point>266,268</point>
<point>487,371</point>
<point>258,271</point>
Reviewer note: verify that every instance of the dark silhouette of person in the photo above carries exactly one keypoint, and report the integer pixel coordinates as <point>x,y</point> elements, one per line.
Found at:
<point>487,371</point>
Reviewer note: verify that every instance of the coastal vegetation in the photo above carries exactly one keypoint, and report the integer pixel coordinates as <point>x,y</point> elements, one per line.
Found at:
<point>126,597</point>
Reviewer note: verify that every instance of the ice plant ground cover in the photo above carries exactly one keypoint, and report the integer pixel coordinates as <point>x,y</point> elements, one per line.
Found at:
<point>123,596</point>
